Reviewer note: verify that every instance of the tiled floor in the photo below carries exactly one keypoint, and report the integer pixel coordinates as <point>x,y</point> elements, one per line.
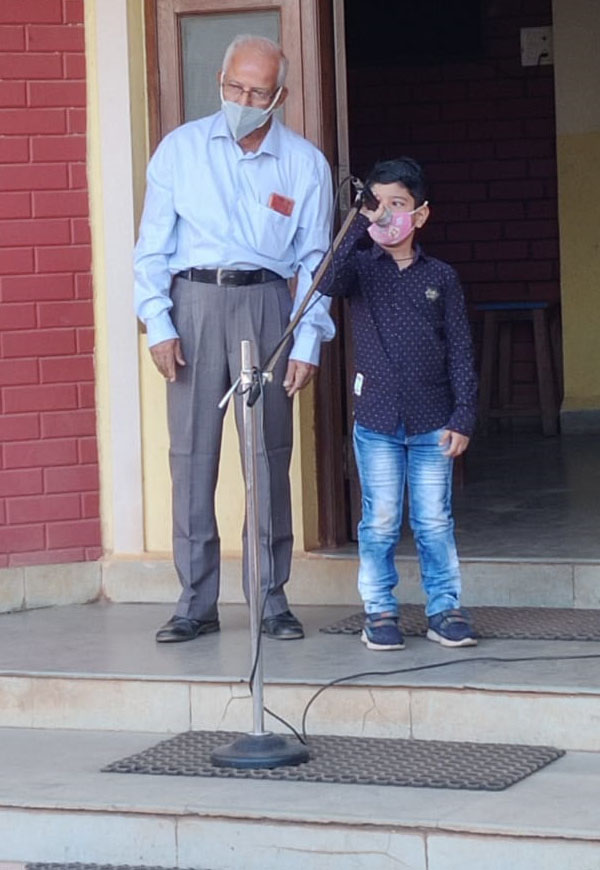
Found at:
<point>530,497</point>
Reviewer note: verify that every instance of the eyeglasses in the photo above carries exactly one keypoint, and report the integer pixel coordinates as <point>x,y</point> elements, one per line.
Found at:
<point>256,96</point>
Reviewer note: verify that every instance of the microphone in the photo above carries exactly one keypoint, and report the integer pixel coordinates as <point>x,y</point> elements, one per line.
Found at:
<point>370,201</point>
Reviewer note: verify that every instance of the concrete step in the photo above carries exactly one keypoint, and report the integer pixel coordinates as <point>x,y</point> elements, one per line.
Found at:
<point>97,667</point>
<point>55,806</point>
<point>329,578</point>
<point>324,578</point>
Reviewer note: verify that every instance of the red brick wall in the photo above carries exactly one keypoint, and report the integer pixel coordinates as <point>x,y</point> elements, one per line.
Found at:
<point>48,462</point>
<point>485,132</point>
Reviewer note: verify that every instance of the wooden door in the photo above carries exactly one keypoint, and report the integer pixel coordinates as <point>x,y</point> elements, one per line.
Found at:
<point>351,481</point>
<point>186,40</point>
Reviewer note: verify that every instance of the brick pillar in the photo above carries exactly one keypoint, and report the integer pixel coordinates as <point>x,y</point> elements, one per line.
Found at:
<point>48,461</point>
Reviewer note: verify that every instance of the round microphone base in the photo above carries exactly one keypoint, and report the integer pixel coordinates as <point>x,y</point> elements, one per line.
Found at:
<point>260,751</point>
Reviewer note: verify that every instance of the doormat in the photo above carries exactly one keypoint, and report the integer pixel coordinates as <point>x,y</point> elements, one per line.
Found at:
<point>356,761</point>
<point>516,623</point>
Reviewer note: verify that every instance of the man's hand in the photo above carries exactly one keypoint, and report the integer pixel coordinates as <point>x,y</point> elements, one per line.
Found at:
<point>457,443</point>
<point>166,356</point>
<point>297,376</point>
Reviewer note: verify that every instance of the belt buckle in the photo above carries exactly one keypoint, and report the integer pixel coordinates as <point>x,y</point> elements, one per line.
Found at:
<point>219,276</point>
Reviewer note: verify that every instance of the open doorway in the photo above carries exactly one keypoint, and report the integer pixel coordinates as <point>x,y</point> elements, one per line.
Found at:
<point>444,81</point>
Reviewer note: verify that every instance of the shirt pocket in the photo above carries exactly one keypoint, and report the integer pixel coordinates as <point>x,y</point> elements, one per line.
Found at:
<point>435,312</point>
<point>271,233</point>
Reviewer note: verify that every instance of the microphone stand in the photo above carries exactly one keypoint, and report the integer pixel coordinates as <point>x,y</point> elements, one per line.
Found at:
<point>260,748</point>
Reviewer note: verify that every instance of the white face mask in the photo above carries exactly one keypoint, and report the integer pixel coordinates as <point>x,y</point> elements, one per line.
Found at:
<point>243,120</point>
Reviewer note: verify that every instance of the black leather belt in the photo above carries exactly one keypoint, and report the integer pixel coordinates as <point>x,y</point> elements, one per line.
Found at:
<point>230,277</point>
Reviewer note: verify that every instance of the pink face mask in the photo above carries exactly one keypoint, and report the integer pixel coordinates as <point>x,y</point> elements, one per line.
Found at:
<point>393,228</point>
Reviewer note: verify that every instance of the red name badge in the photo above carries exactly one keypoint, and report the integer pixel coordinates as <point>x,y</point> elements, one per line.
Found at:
<point>280,203</point>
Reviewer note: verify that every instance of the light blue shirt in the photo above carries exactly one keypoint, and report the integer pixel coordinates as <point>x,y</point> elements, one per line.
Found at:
<point>206,206</point>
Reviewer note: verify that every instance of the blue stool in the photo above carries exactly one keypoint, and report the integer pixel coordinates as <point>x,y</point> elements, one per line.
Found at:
<point>498,318</point>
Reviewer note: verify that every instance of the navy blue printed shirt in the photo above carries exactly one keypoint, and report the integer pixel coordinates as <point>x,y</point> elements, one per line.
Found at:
<point>413,352</point>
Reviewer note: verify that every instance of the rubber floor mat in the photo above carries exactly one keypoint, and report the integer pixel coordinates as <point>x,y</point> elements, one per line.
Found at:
<point>356,761</point>
<point>515,623</point>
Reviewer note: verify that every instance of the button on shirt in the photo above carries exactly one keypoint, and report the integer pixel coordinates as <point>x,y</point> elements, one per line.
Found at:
<point>206,207</point>
<point>412,340</point>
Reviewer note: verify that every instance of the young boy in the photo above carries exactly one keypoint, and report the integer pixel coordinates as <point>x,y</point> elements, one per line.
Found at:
<point>414,402</point>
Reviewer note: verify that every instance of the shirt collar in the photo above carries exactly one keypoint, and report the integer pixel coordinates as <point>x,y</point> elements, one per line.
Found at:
<point>271,144</point>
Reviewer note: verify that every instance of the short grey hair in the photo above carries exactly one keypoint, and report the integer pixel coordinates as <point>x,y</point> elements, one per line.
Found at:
<point>264,46</point>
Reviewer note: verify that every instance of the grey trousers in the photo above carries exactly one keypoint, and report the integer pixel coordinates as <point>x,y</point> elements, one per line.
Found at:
<point>212,321</point>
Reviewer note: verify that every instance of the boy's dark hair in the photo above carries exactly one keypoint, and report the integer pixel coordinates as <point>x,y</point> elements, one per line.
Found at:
<point>404,170</point>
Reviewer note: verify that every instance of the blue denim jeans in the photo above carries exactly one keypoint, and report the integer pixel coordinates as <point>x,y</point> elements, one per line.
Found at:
<point>386,464</point>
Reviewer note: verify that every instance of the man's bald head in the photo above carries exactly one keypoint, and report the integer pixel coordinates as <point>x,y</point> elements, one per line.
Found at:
<point>261,47</point>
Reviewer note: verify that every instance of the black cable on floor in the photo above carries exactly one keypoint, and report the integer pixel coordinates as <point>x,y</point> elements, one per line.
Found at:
<point>433,666</point>
<point>302,736</point>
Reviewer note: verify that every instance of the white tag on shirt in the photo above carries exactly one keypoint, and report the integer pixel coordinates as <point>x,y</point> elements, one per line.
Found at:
<point>358,384</point>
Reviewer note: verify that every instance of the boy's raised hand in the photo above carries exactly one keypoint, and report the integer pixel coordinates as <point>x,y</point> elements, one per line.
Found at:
<point>376,215</point>
<point>457,443</point>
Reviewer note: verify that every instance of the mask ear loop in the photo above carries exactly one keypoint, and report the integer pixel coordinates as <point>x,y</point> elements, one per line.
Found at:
<point>273,102</point>
<point>423,204</point>
<point>221,94</point>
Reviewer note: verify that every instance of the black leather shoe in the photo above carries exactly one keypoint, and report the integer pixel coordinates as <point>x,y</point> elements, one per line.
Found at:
<point>284,626</point>
<point>180,628</point>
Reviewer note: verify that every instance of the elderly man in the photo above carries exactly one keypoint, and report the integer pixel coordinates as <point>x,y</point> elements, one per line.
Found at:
<point>236,205</point>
